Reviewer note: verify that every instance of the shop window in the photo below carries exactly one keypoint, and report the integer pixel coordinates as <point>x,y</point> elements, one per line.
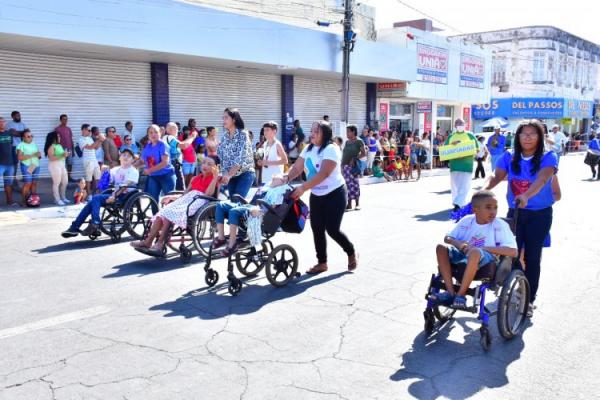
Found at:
<point>444,111</point>
<point>400,109</point>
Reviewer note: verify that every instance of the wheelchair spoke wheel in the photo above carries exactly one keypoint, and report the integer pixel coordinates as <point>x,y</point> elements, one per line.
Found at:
<point>111,222</point>
<point>204,228</point>
<point>251,261</point>
<point>485,339</point>
<point>443,313</point>
<point>282,265</point>
<point>235,287</point>
<point>513,304</point>
<point>138,211</point>
<point>211,278</point>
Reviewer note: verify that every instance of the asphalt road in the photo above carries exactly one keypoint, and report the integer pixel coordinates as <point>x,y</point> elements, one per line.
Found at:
<point>95,320</point>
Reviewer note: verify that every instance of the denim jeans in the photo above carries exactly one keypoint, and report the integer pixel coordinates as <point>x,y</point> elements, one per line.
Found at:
<point>229,210</point>
<point>532,228</point>
<point>93,208</point>
<point>156,184</point>
<point>27,177</point>
<point>241,184</point>
<point>179,180</point>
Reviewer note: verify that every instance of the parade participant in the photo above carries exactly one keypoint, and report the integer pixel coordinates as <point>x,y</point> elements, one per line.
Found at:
<point>158,168</point>
<point>178,209</point>
<point>212,142</point>
<point>274,156</point>
<point>593,156</point>
<point>555,140</point>
<point>461,168</point>
<point>496,146</point>
<point>328,198</point>
<point>235,155</point>
<point>353,151</point>
<point>123,178</point>
<point>529,170</point>
<point>476,240</point>
<point>175,152</point>
<point>480,158</point>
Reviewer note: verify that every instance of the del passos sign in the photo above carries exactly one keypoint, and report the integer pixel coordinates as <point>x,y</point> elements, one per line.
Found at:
<point>520,108</point>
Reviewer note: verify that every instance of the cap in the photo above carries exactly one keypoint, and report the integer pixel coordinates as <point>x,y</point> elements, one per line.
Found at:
<point>126,150</point>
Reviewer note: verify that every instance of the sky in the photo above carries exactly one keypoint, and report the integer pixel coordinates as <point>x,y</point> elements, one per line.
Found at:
<point>579,17</point>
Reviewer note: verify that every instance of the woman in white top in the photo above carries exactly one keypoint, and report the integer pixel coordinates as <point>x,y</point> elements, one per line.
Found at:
<point>328,199</point>
<point>274,156</point>
<point>480,158</point>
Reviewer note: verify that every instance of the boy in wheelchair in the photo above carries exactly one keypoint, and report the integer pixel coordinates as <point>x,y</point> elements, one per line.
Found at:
<point>477,240</point>
<point>124,178</point>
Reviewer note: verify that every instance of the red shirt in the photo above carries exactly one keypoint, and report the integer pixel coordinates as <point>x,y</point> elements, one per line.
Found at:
<point>201,182</point>
<point>118,141</point>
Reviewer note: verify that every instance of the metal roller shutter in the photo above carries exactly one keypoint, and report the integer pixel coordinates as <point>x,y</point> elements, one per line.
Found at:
<point>203,94</point>
<point>314,98</point>
<point>98,92</point>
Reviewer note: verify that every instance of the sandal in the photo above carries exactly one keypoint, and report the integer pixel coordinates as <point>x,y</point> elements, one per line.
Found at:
<point>353,264</point>
<point>460,302</point>
<point>230,250</point>
<point>443,298</point>
<point>139,244</point>
<point>218,243</point>
<point>317,269</point>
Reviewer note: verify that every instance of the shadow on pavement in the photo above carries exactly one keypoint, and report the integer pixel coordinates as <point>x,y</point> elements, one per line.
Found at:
<point>148,266</point>
<point>448,369</point>
<point>78,243</point>
<point>442,216</point>
<point>214,303</point>
<point>443,192</point>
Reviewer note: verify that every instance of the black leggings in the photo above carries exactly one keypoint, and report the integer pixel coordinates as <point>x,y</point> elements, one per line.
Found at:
<point>480,168</point>
<point>326,213</point>
<point>533,226</point>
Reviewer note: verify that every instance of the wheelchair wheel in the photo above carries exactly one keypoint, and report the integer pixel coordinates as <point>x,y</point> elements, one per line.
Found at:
<point>111,222</point>
<point>442,313</point>
<point>251,261</point>
<point>211,278</point>
<point>204,228</point>
<point>235,287</point>
<point>282,265</point>
<point>486,339</point>
<point>137,212</point>
<point>429,321</point>
<point>185,253</point>
<point>513,304</point>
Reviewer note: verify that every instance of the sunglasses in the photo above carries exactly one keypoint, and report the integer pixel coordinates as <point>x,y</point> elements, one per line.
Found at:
<point>128,140</point>
<point>28,137</point>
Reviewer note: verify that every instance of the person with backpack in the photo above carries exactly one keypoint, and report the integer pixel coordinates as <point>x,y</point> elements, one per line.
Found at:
<point>175,151</point>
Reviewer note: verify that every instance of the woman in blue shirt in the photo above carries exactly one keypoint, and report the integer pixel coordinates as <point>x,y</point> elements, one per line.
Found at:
<point>158,168</point>
<point>595,149</point>
<point>529,170</point>
<point>496,146</point>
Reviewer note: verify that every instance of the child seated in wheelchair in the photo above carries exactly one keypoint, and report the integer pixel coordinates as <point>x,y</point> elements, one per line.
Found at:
<point>178,208</point>
<point>477,240</point>
<point>122,178</point>
<point>234,212</point>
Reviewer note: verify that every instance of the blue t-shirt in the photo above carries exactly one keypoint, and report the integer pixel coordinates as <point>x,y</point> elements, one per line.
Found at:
<point>594,144</point>
<point>520,183</point>
<point>152,155</point>
<point>174,150</point>
<point>199,141</point>
<point>500,147</point>
<point>372,145</point>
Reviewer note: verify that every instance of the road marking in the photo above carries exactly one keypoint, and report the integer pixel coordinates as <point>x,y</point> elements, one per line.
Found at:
<point>59,319</point>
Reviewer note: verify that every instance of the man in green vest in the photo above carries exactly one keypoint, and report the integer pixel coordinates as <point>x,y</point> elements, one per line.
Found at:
<point>461,168</point>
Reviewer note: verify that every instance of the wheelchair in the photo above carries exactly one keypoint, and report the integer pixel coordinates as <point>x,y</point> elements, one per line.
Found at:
<point>128,213</point>
<point>504,278</point>
<point>280,263</point>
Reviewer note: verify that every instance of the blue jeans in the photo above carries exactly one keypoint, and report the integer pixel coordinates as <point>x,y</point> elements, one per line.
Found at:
<point>188,168</point>
<point>27,177</point>
<point>8,172</point>
<point>155,184</point>
<point>232,211</point>
<point>458,257</point>
<point>93,208</point>
<point>241,184</point>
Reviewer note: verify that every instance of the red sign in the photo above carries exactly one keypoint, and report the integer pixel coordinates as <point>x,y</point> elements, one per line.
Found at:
<point>424,107</point>
<point>467,117</point>
<point>427,124</point>
<point>391,86</point>
<point>383,116</point>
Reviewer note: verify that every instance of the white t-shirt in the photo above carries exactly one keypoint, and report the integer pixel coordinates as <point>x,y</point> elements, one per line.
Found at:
<point>559,139</point>
<point>119,176</point>
<point>481,151</point>
<point>495,234</point>
<point>312,165</point>
<point>89,155</point>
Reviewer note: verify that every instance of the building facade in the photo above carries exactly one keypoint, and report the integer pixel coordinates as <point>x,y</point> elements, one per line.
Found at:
<point>541,72</point>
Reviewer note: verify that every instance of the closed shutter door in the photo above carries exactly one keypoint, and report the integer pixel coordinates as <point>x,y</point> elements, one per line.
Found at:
<point>314,98</point>
<point>203,94</point>
<point>98,92</point>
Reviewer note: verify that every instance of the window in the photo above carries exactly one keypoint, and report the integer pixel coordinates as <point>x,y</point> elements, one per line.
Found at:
<point>499,71</point>
<point>539,67</point>
<point>400,109</point>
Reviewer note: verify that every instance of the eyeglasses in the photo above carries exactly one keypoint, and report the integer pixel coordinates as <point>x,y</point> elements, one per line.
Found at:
<point>28,137</point>
<point>128,140</point>
<point>528,134</point>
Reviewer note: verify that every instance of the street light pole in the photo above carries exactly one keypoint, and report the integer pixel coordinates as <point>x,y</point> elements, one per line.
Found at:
<point>349,37</point>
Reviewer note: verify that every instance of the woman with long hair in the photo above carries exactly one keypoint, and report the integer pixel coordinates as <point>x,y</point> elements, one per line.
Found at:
<point>57,155</point>
<point>328,199</point>
<point>529,170</point>
<point>158,167</point>
<point>354,149</point>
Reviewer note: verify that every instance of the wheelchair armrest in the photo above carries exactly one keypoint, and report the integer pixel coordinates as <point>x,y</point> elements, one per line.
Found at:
<point>266,205</point>
<point>240,199</point>
<point>174,192</point>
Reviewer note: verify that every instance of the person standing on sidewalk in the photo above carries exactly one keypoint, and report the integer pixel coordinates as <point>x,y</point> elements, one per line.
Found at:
<point>6,162</point>
<point>29,155</point>
<point>110,148</point>
<point>461,168</point>
<point>328,199</point>
<point>16,128</point>
<point>57,155</point>
<point>274,156</point>
<point>496,145</point>
<point>353,151</point>
<point>480,158</point>
<point>66,142</point>
<point>91,168</point>
<point>175,154</point>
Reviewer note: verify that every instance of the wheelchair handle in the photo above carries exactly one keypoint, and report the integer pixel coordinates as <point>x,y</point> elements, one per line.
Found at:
<point>263,203</point>
<point>205,197</point>
<point>238,198</point>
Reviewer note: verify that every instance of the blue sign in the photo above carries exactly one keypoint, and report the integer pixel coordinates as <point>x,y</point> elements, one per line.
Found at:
<point>533,107</point>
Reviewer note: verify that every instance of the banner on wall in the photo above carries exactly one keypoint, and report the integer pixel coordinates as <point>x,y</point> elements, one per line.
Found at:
<point>467,117</point>
<point>424,107</point>
<point>472,71</point>
<point>432,64</point>
<point>383,116</point>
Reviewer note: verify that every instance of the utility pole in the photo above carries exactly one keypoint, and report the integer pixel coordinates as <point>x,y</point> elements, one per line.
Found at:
<point>349,39</point>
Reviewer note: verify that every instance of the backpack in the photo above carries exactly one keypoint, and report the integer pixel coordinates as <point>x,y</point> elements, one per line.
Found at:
<point>295,219</point>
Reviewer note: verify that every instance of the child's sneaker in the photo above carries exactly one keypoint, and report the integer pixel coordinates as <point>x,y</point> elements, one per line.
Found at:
<point>69,233</point>
<point>460,302</point>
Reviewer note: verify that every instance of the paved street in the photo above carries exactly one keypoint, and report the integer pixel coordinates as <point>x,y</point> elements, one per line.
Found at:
<point>94,320</point>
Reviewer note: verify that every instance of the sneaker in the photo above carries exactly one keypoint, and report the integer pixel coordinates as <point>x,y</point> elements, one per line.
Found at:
<point>460,302</point>
<point>69,233</point>
<point>66,201</point>
<point>530,310</point>
<point>60,203</point>
<point>90,229</point>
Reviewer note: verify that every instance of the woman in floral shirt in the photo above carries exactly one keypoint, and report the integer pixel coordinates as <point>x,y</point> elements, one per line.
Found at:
<point>235,153</point>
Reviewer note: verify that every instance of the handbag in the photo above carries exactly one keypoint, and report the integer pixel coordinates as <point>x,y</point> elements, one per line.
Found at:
<point>295,219</point>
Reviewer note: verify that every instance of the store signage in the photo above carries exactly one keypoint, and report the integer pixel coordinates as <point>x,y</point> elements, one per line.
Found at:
<point>391,89</point>
<point>427,121</point>
<point>520,107</point>
<point>472,71</point>
<point>432,64</point>
<point>467,117</point>
<point>453,151</point>
<point>383,116</point>
<point>424,107</point>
